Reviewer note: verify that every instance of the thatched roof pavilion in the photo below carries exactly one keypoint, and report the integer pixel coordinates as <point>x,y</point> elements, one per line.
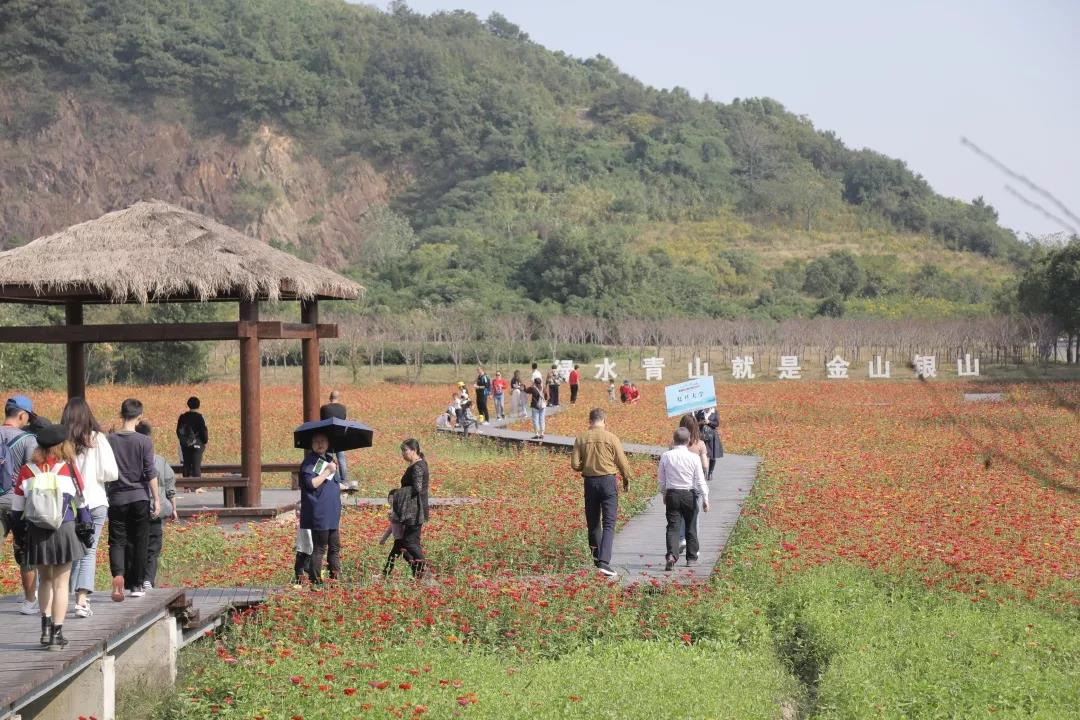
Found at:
<point>157,252</point>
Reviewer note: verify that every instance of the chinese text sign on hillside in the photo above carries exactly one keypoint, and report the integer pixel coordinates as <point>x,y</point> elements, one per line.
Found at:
<point>837,368</point>
<point>654,368</point>
<point>964,367</point>
<point>742,368</point>
<point>606,371</point>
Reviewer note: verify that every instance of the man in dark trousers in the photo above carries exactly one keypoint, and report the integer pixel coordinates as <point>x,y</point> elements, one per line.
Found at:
<point>134,500</point>
<point>192,434</point>
<point>482,387</point>
<point>575,378</point>
<point>335,409</point>
<point>598,456</point>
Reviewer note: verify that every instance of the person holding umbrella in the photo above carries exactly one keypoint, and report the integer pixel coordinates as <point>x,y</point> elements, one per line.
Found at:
<point>320,513</point>
<point>320,493</point>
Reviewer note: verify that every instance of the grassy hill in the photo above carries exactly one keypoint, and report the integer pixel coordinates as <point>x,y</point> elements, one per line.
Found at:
<point>446,159</point>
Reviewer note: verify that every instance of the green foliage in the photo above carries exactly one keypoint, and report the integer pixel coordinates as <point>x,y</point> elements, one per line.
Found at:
<point>508,145</point>
<point>31,367</point>
<point>837,274</point>
<point>1052,286</point>
<point>156,363</point>
<point>870,645</point>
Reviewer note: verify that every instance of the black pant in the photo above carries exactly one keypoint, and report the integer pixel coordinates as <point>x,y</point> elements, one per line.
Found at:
<point>192,460</point>
<point>481,405</point>
<point>712,466</point>
<point>681,510</point>
<point>553,394</point>
<point>409,545</point>
<point>573,394</point>
<point>601,509</point>
<point>129,523</point>
<point>301,565</point>
<point>153,552</point>
<point>327,543</point>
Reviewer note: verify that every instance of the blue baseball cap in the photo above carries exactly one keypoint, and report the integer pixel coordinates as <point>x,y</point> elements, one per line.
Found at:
<point>22,402</point>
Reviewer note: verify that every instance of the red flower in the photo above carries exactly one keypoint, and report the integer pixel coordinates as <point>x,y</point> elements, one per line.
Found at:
<point>350,691</point>
<point>297,679</point>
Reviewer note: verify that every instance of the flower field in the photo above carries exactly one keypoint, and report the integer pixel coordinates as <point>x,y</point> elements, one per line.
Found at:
<point>904,554</point>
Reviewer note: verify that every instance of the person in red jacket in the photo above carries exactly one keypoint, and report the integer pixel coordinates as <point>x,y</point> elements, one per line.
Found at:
<point>575,378</point>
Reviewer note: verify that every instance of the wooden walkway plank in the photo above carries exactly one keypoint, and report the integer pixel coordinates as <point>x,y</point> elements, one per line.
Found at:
<point>640,547</point>
<point>639,550</point>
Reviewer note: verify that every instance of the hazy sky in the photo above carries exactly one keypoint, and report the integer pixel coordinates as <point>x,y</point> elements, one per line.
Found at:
<point>906,78</point>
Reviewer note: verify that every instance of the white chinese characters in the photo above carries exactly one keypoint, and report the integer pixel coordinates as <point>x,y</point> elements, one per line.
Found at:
<point>654,368</point>
<point>789,367</point>
<point>964,367</point>
<point>837,368</point>
<point>606,371</point>
<point>876,369</point>
<point>926,366</point>
<point>697,369</point>
<point>742,368</point>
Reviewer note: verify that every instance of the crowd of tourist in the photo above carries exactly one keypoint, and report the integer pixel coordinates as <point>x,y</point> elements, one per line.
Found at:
<point>59,483</point>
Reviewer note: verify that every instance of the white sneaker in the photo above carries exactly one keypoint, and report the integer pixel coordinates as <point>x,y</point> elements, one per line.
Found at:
<point>83,611</point>
<point>606,571</point>
<point>147,586</point>
<point>138,593</point>
<point>30,607</point>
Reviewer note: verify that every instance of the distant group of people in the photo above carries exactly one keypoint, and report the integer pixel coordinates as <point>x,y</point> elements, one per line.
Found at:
<point>683,474</point>
<point>59,483</point>
<point>628,392</point>
<point>527,399</point>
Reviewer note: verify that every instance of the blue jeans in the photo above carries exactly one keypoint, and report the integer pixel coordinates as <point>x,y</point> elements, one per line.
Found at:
<point>84,569</point>
<point>537,420</point>
<point>342,467</point>
<point>601,510</point>
<point>499,410</point>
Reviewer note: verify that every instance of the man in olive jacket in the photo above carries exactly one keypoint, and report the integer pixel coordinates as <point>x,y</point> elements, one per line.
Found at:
<point>598,455</point>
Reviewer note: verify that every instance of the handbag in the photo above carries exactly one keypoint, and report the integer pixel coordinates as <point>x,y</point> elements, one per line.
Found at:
<point>84,521</point>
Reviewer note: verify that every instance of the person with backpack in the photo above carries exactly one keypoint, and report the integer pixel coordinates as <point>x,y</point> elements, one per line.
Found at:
<point>193,436</point>
<point>97,468</point>
<point>17,444</point>
<point>710,435</point>
<point>48,494</point>
<point>134,500</point>
<point>538,400</point>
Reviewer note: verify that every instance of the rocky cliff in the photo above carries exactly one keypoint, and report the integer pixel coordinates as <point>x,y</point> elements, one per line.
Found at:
<point>91,157</point>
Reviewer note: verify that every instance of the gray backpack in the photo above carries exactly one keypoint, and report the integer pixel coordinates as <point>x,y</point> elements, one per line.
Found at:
<point>44,505</point>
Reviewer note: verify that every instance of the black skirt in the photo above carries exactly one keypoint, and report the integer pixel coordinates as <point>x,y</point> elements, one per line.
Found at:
<point>53,547</point>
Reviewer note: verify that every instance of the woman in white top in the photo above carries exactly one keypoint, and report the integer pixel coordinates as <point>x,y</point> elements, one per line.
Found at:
<point>697,445</point>
<point>97,466</point>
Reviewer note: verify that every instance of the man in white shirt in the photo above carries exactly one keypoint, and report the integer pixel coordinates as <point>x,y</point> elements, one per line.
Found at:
<point>682,482</point>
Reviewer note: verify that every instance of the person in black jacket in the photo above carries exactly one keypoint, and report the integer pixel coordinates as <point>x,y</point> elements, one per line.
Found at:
<point>411,507</point>
<point>710,434</point>
<point>192,434</point>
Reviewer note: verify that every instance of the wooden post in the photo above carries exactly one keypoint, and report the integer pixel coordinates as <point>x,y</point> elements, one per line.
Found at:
<point>309,314</point>
<point>250,410</point>
<point>76,354</point>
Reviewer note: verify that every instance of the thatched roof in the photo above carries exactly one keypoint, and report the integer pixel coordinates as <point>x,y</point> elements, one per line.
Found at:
<point>154,251</point>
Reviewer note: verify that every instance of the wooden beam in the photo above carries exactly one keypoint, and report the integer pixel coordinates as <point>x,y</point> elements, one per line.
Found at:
<point>309,350</point>
<point>76,353</point>
<point>140,332</point>
<point>250,410</point>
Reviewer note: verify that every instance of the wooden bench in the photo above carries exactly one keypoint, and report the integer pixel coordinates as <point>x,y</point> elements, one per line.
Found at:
<point>227,483</point>
<point>228,478</point>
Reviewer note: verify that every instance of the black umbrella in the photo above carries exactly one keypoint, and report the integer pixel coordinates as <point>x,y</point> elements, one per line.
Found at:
<point>343,434</point>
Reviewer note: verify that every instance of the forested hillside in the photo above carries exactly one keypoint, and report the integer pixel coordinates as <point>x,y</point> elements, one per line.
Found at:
<point>450,160</point>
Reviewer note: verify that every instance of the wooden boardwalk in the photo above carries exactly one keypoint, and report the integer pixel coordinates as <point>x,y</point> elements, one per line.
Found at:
<point>639,549</point>
<point>29,673</point>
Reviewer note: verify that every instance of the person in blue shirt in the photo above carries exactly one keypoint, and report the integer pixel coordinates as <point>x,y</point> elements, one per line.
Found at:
<point>320,513</point>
